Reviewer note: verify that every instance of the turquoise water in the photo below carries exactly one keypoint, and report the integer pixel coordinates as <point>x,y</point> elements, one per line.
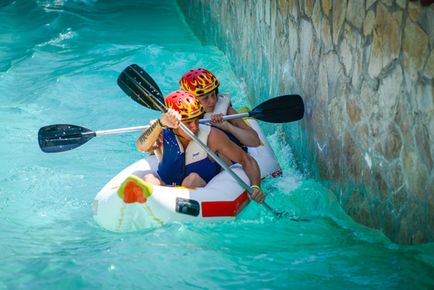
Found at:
<point>59,61</point>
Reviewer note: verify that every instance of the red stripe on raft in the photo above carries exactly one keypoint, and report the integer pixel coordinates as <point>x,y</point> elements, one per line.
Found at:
<point>229,208</point>
<point>224,208</point>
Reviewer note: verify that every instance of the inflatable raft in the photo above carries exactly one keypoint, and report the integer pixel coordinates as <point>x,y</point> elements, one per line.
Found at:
<point>221,199</point>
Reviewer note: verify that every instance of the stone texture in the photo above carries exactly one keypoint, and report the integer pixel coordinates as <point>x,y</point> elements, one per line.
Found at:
<point>414,10</point>
<point>295,11</point>
<point>366,74</point>
<point>364,141</point>
<point>322,91</point>
<point>308,9</point>
<point>293,40</point>
<point>394,178</point>
<point>326,37</point>
<point>352,157</point>
<point>326,6</point>
<point>283,8</point>
<point>392,143</point>
<point>382,189</point>
<point>386,43</point>
<point>429,66</point>
<point>399,198</point>
<point>336,105</point>
<point>291,5</point>
<point>339,10</point>
<point>368,24</point>
<point>354,112</point>
<point>390,91</point>
<point>369,98</point>
<point>426,22</point>
<point>431,207</point>
<point>355,13</point>
<point>357,74</point>
<point>424,98</point>
<point>333,70</point>
<point>402,119</point>
<point>346,54</point>
<point>415,48</point>
<point>316,19</point>
<point>387,219</point>
<point>306,44</point>
<point>401,3</point>
<point>282,30</point>
<point>423,145</point>
<point>430,126</point>
<point>369,3</point>
<point>387,2</point>
<point>415,173</point>
<point>358,208</point>
<point>267,10</point>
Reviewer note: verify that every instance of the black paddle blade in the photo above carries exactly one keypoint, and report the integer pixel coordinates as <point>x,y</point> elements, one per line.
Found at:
<point>141,87</point>
<point>282,109</point>
<point>64,137</point>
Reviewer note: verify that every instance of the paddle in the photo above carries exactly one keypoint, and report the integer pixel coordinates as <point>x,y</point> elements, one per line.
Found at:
<point>139,85</point>
<point>64,137</point>
<point>136,82</point>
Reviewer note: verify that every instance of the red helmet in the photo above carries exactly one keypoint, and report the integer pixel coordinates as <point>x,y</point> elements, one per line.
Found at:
<point>185,103</point>
<point>199,81</point>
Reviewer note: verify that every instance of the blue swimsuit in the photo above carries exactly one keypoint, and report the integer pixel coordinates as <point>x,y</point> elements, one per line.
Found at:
<point>176,163</point>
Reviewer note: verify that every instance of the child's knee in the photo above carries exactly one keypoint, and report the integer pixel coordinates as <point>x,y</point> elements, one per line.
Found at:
<point>151,178</point>
<point>193,180</point>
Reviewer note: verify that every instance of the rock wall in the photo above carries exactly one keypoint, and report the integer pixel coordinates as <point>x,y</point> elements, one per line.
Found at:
<point>365,70</point>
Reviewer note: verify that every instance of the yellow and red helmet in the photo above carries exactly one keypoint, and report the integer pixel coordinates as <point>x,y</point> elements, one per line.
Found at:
<point>185,103</point>
<point>199,81</point>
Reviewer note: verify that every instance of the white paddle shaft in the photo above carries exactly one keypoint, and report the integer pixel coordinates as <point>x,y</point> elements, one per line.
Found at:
<point>139,128</point>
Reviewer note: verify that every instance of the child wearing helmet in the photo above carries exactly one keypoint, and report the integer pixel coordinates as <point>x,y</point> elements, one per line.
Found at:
<point>184,162</point>
<point>204,85</point>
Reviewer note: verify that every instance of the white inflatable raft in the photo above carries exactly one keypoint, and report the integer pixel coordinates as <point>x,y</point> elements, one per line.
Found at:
<point>222,198</point>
